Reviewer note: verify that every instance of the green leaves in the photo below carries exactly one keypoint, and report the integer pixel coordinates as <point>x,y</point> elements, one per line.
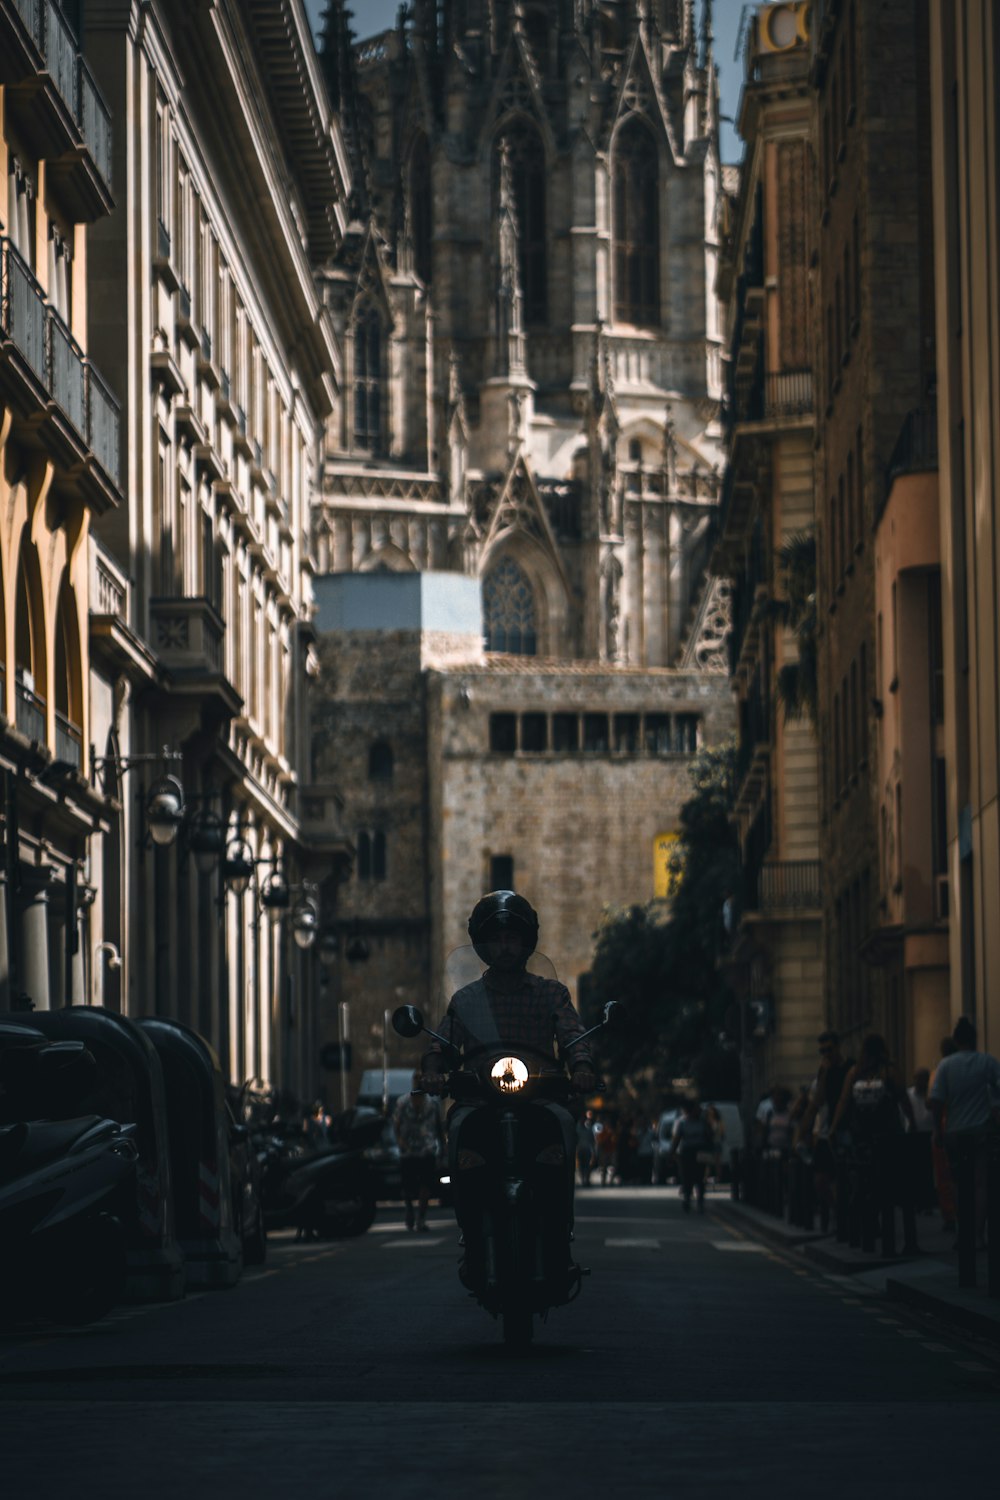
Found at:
<point>661,959</point>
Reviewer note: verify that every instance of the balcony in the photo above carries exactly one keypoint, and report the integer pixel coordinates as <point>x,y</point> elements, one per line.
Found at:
<point>789,886</point>
<point>775,397</point>
<point>916,450</point>
<point>69,741</point>
<point>54,99</point>
<point>29,712</point>
<point>38,351</point>
<point>188,638</point>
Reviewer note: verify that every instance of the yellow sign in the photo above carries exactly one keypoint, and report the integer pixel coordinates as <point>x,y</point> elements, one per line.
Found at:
<point>668,865</point>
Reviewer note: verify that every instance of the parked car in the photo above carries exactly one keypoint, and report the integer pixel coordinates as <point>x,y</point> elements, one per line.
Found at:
<point>733,1139</point>
<point>664,1162</point>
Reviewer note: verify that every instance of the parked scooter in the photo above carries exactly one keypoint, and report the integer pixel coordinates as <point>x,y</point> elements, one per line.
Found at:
<point>65,1186</point>
<point>508,1147</point>
<point>328,1192</point>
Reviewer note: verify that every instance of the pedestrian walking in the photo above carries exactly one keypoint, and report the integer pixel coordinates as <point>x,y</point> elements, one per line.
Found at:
<point>717,1127</point>
<point>419,1132</point>
<point>875,1108</point>
<point>692,1142</point>
<point>645,1136</point>
<point>919,1141</point>
<point>944,1183</point>
<point>607,1146</point>
<point>965,1100</point>
<point>586,1149</point>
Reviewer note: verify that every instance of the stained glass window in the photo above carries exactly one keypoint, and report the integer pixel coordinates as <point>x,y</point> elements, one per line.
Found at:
<point>509,610</point>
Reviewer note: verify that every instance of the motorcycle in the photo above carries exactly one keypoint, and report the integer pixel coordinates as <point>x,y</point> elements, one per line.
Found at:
<point>66,1186</point>
<point>512,1150</point>
<point>329,1191</point>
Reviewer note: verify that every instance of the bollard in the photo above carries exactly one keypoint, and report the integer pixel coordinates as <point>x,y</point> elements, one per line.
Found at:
<point>962,1154</point>
<point>993,1219</point>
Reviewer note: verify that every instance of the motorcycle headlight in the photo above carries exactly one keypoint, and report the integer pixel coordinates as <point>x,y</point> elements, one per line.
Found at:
<point>509,1075</point>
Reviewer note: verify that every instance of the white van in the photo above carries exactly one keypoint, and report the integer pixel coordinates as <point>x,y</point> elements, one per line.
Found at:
<point>400,1081</point>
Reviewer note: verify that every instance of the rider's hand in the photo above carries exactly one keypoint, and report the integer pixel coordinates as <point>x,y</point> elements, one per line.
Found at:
<point>584,1080</point>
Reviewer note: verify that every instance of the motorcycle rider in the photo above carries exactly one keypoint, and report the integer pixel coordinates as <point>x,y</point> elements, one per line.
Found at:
<point>508,1008</point>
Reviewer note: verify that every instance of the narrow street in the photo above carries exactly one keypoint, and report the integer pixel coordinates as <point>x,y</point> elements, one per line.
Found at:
<point>698,1361</point>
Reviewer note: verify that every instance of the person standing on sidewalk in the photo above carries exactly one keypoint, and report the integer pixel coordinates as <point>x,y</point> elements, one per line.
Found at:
<point>965,1100</point>
<point>692,1141</point>
<point>420,1136</point>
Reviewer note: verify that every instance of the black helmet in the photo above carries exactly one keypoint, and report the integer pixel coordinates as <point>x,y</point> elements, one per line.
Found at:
<point>503,909</point>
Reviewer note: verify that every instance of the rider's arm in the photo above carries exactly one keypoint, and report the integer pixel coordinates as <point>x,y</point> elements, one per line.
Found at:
<point>452,1030</point>
<point>568,1026</point>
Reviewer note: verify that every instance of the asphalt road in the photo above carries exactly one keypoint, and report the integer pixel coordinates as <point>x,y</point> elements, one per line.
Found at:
<point>697,1362</point>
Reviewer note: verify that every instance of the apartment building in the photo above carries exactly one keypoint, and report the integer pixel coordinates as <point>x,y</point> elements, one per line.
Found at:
<point>767,548</point>
<point>233,182</point>
<point>60,475</point>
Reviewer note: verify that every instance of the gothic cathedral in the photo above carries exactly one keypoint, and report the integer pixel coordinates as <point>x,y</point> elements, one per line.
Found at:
<point>518,650</point>
<point>531,381</point>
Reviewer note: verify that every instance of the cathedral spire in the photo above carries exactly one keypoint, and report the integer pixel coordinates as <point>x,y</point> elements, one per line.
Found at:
<point>510,299</point>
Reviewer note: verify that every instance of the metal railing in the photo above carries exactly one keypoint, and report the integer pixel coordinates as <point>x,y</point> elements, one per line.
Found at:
<point>69,741</point>
<point>103,424</point>
<point>788,393</point>
<point>68,372</point>
<point>95,123</point>
<point>29,712</point>
<point>790,885</point>
<point>60,55</point>
<point>22,309</point>
<point>916,450</point>
<point>108,584</point>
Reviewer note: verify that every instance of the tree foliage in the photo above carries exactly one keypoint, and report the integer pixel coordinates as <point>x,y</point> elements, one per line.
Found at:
<point>661,960</point>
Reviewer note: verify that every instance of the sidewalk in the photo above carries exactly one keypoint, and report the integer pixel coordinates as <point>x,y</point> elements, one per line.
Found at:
<point>928,1282</point>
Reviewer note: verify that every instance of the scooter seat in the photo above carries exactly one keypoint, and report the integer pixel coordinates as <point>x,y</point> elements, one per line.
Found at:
<point>45,1140</point>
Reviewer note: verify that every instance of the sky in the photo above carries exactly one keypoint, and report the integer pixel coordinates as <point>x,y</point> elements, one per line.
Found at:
<point>373,16</point>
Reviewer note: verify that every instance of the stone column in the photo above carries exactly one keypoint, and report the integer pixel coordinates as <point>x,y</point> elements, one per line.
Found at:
<point>35,945</point>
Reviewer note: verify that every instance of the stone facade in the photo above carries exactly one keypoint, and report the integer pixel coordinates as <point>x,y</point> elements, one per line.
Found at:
<point>873,324</point>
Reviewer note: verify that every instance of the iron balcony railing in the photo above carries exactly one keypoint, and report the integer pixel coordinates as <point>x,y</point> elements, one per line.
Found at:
<point>69,741</point>
<point>58,45</point>
<point>103,424</point>
<point>68,372</point>
<point>46,344</point>
<point>95,123</point>
<point>29,712</point>
<point>916,450</point>
<point>790,885</point>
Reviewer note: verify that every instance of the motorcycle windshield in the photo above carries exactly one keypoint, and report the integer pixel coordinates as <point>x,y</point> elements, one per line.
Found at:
<point>468,996</point>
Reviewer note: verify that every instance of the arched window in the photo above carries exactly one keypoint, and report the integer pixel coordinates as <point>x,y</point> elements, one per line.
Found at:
<point>67,684</point>
<point>372,863</point>
<point>635,211</point>
<point>422,209</point>
<point>369,364</point>
<point>509,610</point>
<point>527,170</point>
<point>380,761</point>
<point>29,649</point>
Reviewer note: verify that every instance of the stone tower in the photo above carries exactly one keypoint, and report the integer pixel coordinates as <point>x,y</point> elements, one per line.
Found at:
<point>530,397</point>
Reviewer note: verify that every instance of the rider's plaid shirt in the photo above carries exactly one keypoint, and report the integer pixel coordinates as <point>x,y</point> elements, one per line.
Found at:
<point>537,1013</point>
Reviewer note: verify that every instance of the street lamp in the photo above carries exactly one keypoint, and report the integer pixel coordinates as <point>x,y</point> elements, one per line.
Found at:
<point>165,810</point>
<point>238,866</point>
<point>305,921</point>
<point>206,840</point>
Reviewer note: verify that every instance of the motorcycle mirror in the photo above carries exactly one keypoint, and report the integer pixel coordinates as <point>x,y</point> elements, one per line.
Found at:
<point>614,1015</point>
<point>407,1021</point>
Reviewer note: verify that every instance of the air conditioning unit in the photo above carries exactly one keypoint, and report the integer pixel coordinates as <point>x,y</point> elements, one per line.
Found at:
<point>783,28</point>
<point>942,904</point>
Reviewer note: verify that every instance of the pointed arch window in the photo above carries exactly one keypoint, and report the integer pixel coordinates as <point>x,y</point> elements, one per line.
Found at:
<point>422,209</point>
<point>67,684</point>
<point>636,227</point>
<point>509,610</point>
<point>369,379</point>
<point>380,761</point>
<point>29,649</point>
<point>527,169</point>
